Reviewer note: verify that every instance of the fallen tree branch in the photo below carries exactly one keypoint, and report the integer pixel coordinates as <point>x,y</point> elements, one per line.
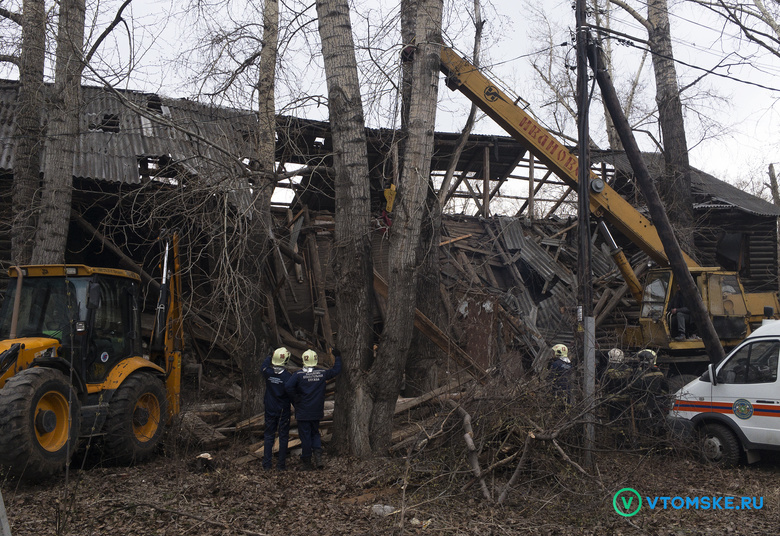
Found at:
<point>520,464</point>
<point>575,464</point>
<point>490,469</point>
<point>473,457</point>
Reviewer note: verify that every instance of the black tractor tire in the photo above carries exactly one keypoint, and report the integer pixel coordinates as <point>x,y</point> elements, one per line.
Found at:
<point>40,417</point>
<point>678,382</point>
<point>136,418</point>
<point>719,445</point>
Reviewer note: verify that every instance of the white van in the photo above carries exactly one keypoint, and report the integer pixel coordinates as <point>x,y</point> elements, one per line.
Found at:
<point>738,411</point>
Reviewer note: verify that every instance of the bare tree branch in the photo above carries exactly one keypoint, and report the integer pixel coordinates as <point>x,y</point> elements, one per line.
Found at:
<point>117,19</point>
<point>9,58</point>
<point>11,15</point>
<point>634,13</point>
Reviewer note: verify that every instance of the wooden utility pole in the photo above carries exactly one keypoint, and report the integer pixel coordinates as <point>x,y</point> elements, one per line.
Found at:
<point>585,319</point>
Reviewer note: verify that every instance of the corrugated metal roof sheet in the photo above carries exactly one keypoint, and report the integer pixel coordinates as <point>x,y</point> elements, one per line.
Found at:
<point>115,134</point>
<point>532,253</point>
<point>708,191</point>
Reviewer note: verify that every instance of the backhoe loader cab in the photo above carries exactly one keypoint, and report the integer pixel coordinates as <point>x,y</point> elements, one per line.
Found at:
<point>725,301</point>
<point>71,367</point>
<point>55,315</point>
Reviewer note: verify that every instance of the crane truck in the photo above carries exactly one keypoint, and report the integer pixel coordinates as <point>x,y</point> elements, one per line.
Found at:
<point>73,367</point>
<point>734,312</point>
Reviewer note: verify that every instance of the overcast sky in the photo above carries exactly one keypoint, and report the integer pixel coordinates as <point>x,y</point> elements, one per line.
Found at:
<point>749,139</point>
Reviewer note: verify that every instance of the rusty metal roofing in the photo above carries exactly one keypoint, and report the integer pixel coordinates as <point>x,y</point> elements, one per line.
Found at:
<point>120,129</point>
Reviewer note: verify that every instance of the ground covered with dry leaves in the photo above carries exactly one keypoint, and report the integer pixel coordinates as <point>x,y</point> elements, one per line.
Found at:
<point>170,496</point>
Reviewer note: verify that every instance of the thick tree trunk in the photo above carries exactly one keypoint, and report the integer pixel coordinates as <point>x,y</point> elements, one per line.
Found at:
<point>260,226</point>
<point>405,255</point>
<point>27,167</point>
<point>425,357</point>
<point>352,267</point>
<point>675,185</point>
<point>62,135</point>
<point>602,14</point>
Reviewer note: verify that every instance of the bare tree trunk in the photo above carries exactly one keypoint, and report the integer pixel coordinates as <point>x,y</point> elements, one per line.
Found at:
<point>405,254</point>
<point>425,357</point>
<point>27,167</point>
<point>603,19</point>
<point>63,131</point>
<point>675,185</point>
<point>773,185</point>
<point>352,268</point>
<point>260,226</point>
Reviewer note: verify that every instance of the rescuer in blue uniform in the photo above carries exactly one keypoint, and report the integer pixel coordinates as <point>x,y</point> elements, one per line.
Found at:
<point>277,406</point>
<point>306,388</point>
<point>561,369</point>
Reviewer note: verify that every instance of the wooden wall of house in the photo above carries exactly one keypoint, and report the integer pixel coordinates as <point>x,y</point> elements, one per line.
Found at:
<point>6,183</point>
<point>761,250</point>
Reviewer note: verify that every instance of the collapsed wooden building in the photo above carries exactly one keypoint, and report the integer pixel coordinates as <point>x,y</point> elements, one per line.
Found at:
<point>508,247</point>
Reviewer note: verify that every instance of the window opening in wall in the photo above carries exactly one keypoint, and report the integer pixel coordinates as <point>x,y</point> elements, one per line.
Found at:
<point>107,123</point>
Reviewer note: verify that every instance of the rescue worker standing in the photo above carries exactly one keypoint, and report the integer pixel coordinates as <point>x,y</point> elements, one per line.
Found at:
<point>650,390</point>
<point>615,389</point>
<point>277,407</point>
<point>561,369</point>
<point>615,383</point>
<point>306,388</point>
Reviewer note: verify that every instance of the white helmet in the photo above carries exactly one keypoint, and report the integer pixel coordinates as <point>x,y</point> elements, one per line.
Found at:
<point>309,358</point>
<point>560,350</point>
<point>647,356</point>
<point>280,357</point>
<point>616,355</point>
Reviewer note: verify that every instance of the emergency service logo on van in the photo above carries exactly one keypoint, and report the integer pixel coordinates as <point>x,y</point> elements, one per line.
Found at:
<point>742,408</point>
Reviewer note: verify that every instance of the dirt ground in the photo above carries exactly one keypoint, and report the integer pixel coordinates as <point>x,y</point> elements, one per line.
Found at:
<point>169,496</point>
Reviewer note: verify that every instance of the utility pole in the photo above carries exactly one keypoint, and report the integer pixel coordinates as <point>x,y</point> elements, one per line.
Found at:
<point>586,322</point>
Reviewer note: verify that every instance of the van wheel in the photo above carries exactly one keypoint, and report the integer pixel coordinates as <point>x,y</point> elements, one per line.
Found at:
<point>719,445</point>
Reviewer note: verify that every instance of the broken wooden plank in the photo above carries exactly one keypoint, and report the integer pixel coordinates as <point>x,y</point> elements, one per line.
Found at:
<point>214,406</point>
<point>618,296</point>
<point>437,336</point>
<point>319,286</point>
<point>252,423</point>
<point>466,263</point>
<point>451,240</point>
<point>405,404</point>
<point>234,391</point>
<point>478,251</point>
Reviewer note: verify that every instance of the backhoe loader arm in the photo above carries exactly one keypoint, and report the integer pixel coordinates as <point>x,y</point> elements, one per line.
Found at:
<point>605,202</point>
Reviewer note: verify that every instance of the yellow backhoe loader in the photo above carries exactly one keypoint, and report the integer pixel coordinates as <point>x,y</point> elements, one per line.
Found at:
<point>73,364</point>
